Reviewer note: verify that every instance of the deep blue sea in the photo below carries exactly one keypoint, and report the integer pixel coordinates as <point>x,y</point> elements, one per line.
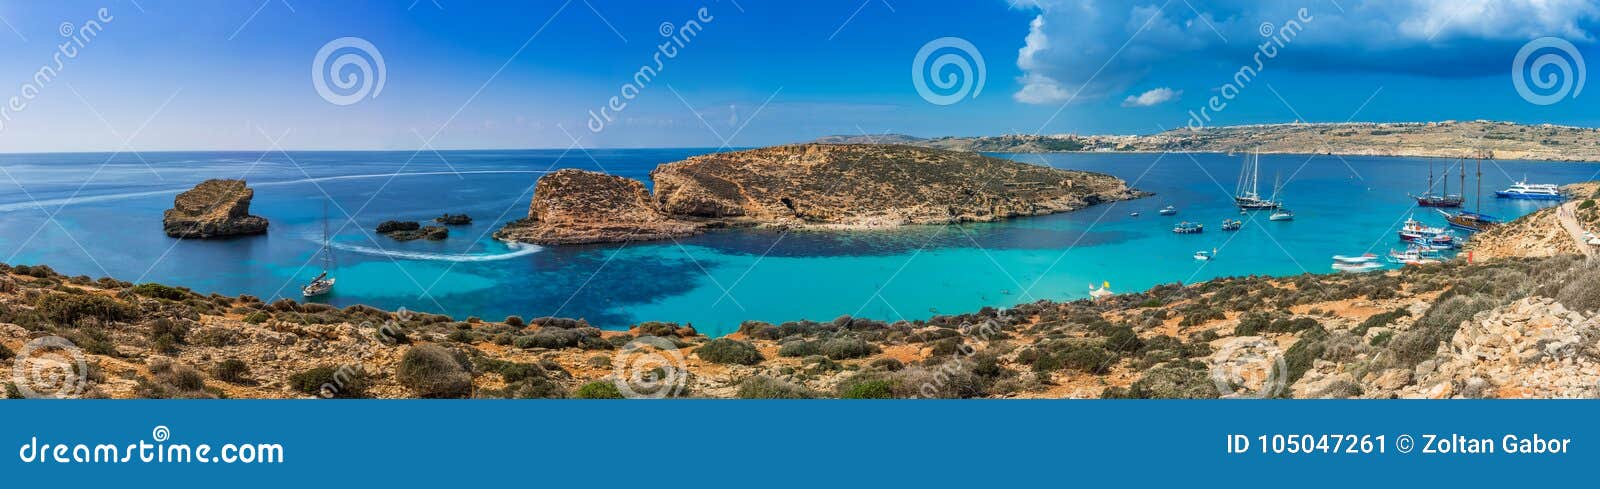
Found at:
<point>100,215</point>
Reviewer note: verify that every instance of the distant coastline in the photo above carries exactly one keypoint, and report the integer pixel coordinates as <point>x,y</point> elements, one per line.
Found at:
<point>1446,139</point>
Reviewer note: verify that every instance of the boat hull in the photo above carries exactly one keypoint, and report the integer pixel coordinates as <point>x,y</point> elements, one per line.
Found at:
<point>1526,196</point>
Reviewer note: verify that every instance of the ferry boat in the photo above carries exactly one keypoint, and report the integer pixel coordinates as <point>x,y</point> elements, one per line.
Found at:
<point>1444,198</point>
<point>1232,224</point>
<point>1530,191</point>
<point>1246,193</point>
<point>1187,227</point>
<point>1168,211</point>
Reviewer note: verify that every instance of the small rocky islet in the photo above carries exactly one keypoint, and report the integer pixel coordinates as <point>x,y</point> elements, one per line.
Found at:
<point>813,186</point>
<point>213,209</point>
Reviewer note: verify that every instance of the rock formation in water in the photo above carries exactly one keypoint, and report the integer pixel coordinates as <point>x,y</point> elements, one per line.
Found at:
<point>213,209</point>
<point>449,219</point>
<point>431,233</point>
<point>391,226</point>
<point>576,207</point>
<point>804,186</point>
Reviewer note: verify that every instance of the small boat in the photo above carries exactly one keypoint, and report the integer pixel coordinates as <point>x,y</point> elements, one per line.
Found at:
<point>1168,211</point>
<point>1102,292</point>
<point>1415,255</point>
<point>1530,191</point>
<point>1357,267</point>
<point>1133,214</point>
<point>1279,212</point>
<point>1414,230</point>
<point>1355,260</point>
<point>1282,214</point>
<point>1187,227</point>
<point>323,284</point>
<point>1232,224</point>
<point>1204,255</point>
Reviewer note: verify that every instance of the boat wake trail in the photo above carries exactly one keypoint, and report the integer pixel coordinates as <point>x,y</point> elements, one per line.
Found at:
<point>85,199</point>
<point>517,249</point>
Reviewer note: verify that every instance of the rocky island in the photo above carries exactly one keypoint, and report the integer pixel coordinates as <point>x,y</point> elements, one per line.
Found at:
<point>213,209</point>
<point>811,186</point>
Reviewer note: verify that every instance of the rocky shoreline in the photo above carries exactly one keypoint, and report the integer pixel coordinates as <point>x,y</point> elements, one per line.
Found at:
<point>816,186</point>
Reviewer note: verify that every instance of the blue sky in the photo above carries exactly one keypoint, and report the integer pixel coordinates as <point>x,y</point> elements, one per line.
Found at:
<point>174,75</point>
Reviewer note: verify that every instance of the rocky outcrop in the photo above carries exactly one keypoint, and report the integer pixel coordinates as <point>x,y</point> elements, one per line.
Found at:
<point>449,219</point>
<point>577,207</point>
<point>391,226</point>
<point>1532,348</point>
<point>431,233</point>
<point>213,209</point>
<point>808,185</point>
<point>1542,233</point>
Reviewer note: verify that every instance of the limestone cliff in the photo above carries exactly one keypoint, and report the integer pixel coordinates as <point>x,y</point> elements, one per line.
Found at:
<point>213,209</point>
<point>807,185</point>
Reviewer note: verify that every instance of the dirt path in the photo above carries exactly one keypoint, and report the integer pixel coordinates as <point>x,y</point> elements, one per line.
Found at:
<point>1570,222</point>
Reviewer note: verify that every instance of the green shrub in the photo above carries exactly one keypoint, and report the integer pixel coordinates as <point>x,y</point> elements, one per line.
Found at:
<point>763,387</point>
<point>1381,319</point>
<point>847,347</point>
<point>67,309</point>
<point>231,370</point>
<point>431,371</point>
<point>598,390</point>
<point>6,353</point>
<point>515,321</point>
<point>257,317</point>
<point>800,348</point>
<point>868,389</point>
<point>160,291</point>
<point>726,351</point>
<point>1123,339</point>
<point>344,383</point>
<point>166,335</point>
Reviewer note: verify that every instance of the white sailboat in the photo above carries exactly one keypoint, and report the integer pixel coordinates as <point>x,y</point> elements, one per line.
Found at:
<point>1246,193</point>
<point>323,284</point>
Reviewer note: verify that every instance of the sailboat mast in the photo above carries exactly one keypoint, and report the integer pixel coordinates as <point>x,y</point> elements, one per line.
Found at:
<point>1480,184</point>
<point>327,255</point>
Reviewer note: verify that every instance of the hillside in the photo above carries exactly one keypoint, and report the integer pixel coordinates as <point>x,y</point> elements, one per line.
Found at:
<point>804,186</point>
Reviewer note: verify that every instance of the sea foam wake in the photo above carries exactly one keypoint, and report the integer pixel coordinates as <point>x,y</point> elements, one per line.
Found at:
<point>85,199</point>
<point>517,249</point>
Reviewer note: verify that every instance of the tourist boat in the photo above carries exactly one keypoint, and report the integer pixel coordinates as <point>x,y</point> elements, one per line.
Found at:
<point>1355,260</point>
<point>323,284</point>
<point>1168,211</point>
<point>1187,227</point>
<point>1414,230</point>
<point>1204,255</point>
<point>1246,193</point>
<point>1357,267</point>
<point>1102,292</point>
<point>1530,191</point>
<point>1473,221</point>
<point>1232,224</point>
<point>1415,255</point>
<point>1444,198</point>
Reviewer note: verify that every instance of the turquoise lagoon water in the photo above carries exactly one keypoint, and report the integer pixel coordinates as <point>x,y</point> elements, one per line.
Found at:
<point>107,209</point>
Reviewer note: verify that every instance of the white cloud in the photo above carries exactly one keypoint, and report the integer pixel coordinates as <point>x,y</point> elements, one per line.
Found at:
<point>1090,49</point>
<point>1154,97</point>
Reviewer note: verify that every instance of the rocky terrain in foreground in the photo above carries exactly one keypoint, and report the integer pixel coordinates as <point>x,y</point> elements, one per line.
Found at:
<point>213,209</point>
<point>1449,139</point>
<point>803,186</point>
